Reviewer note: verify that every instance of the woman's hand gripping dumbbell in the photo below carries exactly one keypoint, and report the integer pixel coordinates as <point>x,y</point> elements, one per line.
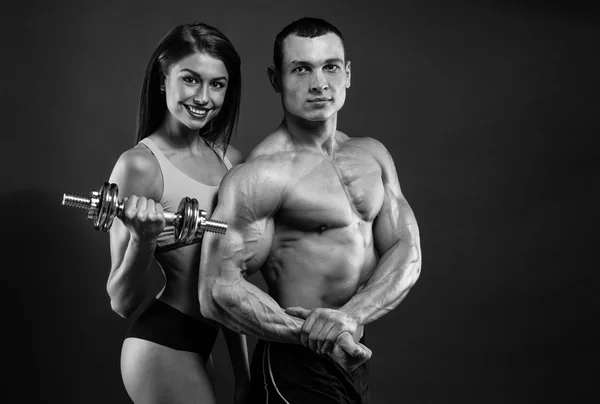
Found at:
<point>103,206</point>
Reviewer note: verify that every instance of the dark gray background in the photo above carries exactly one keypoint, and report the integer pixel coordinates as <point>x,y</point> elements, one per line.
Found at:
<point>489,108</point>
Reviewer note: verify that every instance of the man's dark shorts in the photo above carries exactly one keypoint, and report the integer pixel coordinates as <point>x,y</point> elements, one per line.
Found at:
<point>290,373</point>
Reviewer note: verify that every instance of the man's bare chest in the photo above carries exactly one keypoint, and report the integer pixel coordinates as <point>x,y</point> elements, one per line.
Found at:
<point>334,192</point>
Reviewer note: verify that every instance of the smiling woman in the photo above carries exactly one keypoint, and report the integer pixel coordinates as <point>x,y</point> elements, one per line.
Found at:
<point>188,111</point>
<point>195,89</point>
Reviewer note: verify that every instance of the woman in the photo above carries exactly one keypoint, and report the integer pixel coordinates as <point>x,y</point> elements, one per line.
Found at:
<point>188,111</point>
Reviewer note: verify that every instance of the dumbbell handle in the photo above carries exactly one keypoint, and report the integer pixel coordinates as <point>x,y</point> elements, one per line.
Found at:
<point>81,202</point>
<point>171,218</point>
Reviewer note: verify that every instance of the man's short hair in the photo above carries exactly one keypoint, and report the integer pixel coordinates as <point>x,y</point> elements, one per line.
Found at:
<point>306,27</point>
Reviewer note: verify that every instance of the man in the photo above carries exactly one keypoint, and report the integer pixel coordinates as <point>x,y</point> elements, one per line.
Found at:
<point>322,216</point>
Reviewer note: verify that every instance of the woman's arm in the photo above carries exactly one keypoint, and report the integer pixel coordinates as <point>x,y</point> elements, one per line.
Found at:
<point>133,236</point>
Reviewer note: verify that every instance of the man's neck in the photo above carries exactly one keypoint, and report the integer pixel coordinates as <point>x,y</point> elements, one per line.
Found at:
<point>317,135</point>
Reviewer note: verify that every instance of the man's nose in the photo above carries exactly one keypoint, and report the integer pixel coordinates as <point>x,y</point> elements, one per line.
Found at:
<point>318,83</point>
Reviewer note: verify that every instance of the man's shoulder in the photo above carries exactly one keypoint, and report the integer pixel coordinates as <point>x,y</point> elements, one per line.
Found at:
<point>262,178</point>
<point>276,144</point>
<point>366,143</point>
<point>264,164</point>
<point>372,147</point>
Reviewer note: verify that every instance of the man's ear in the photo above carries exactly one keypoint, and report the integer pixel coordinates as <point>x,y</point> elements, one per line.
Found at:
<point>348,74</point>
<point>274,78</point>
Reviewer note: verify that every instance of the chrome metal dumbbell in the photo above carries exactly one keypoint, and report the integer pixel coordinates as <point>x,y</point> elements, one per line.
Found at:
<point>103,206</point>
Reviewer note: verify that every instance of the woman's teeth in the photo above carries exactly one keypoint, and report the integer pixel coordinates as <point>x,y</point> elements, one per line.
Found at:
<point>199,112</point>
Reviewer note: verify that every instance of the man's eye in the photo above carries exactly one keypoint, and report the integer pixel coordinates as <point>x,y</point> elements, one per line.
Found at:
<point>300,69</point>
<point>332,68</point>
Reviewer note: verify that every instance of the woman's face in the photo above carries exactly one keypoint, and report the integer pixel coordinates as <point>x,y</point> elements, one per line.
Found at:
<point>195,88</point>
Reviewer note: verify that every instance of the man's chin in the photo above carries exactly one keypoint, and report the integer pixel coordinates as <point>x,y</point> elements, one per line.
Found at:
<point>312,115</point>
<point>319,116</point>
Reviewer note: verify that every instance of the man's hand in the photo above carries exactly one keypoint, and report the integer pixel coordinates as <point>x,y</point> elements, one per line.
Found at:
<point>322,327</point>
<point>331,332</point>
<point>349,354</point>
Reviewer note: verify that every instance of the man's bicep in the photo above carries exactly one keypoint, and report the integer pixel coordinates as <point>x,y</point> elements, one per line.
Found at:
<point>396,220</point>
<point>247,206</point>
<point>246,244</point>
<point>228,259</point>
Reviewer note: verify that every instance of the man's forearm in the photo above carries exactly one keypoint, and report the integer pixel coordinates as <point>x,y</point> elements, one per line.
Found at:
<point>245,308</point>
<point>397,271</point>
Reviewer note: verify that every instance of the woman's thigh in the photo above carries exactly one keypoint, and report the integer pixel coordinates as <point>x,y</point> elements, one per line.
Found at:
<point>156,374</point>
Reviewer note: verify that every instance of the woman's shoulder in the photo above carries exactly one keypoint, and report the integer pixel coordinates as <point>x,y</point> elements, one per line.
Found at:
<point>137,172</point>
<point>234,155</point>
<point>138,159</point>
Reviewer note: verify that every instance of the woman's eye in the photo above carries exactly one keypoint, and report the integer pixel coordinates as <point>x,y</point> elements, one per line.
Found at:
<point>190,79</point>
<point>218,85</point>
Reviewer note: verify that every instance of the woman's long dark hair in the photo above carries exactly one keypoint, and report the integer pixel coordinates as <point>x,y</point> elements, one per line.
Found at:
<point>180,42</point>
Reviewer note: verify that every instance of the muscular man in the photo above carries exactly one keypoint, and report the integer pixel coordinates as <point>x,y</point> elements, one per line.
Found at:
<point>322,216</point>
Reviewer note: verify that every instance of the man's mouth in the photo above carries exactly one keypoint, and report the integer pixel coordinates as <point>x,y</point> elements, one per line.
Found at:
<point>320,99</point>
<point>196,112</point>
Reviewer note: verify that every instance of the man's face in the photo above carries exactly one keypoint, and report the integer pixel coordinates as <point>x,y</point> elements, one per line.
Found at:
<point>314,76</point>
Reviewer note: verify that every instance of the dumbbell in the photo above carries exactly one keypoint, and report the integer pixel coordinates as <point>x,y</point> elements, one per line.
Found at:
<point>189,222</point>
